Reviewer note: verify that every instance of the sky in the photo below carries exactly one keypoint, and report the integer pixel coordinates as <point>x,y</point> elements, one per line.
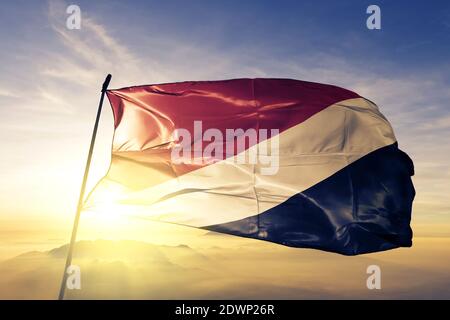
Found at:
<point>50,81</point>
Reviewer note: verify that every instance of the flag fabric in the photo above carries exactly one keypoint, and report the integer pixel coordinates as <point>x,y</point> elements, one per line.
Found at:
<point>292,162</point>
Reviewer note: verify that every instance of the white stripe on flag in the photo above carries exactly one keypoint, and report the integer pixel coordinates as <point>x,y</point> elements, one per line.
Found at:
<point>227,191</point>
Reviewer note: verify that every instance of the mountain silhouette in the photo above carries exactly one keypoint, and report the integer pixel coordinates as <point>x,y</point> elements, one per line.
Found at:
<point>129,269</point>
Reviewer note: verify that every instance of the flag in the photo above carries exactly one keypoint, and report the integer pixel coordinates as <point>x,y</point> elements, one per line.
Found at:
<point>297,163</point>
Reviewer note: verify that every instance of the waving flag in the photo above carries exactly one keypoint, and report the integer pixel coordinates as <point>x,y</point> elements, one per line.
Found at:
<point>292,162</point>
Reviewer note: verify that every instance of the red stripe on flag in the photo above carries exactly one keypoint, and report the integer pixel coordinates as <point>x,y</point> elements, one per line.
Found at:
<point>147,116</point>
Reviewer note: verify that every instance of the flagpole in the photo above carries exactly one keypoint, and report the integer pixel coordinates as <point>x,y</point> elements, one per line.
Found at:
<point>83,189</point>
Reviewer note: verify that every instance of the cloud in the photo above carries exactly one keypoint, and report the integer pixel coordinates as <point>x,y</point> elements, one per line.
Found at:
<point>138,270</point>
<point>438,123</point>
<point>8,93</point>
<point>88,53</point>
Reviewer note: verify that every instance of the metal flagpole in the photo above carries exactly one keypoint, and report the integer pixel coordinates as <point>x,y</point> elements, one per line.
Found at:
<point>83,188</point>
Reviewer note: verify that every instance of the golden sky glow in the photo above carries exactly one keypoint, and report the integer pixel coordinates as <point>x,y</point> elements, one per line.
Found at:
<point>50,81</point>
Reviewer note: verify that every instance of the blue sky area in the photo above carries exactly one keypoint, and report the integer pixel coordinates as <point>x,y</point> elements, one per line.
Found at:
<point>50,76</point>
